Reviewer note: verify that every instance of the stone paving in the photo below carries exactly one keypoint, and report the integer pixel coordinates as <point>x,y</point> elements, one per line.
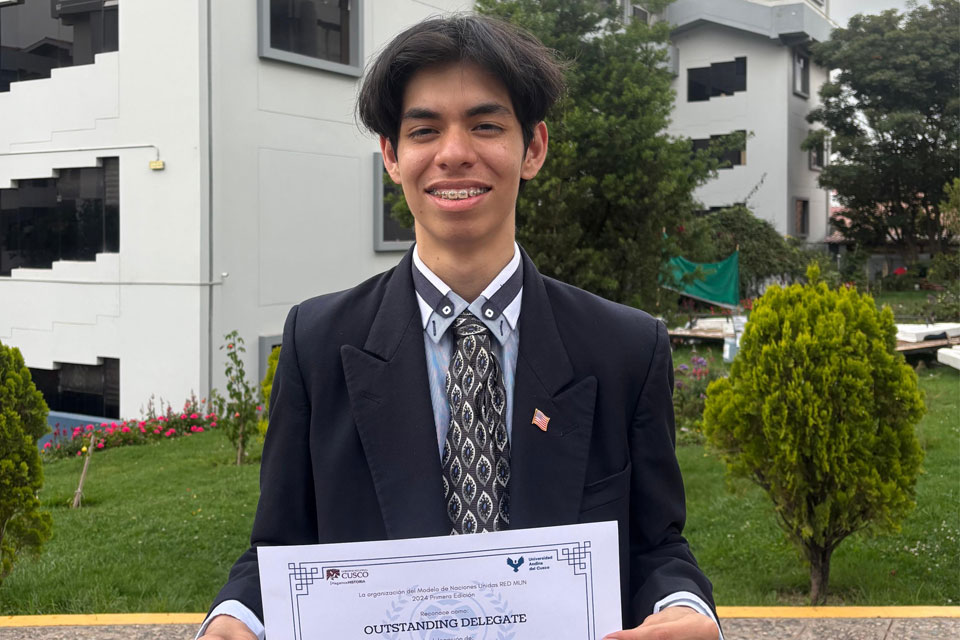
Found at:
<point>734,629</point>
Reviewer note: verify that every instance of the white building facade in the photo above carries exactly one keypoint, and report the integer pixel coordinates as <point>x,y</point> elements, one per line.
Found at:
<point>744,66</point>
<point>171,171</point>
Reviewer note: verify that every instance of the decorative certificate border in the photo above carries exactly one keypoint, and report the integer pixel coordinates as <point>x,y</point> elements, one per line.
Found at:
<point>577,556</point>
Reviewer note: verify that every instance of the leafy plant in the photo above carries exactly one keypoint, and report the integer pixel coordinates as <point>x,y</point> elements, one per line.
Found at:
<point>266,386</point>
<point>241,414</point>
<point>23,420</point>
<point>690,394</point>
<point>820,411</point>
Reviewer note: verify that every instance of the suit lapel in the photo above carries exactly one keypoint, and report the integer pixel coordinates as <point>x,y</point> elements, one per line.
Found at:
<point>547,468</point>
<point>389,396</point>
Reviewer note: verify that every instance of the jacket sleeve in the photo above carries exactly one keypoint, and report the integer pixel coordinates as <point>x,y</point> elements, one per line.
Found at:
<point>660,558</point>
<point>286,512</point>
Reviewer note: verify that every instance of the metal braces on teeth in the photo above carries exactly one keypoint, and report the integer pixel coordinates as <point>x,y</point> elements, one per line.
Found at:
<point>457,194</point>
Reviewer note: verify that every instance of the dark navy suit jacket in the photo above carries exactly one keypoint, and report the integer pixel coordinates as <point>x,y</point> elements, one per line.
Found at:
<point>351,451</point>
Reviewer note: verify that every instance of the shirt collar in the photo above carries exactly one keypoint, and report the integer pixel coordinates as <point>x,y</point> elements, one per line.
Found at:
<point>448,305</point>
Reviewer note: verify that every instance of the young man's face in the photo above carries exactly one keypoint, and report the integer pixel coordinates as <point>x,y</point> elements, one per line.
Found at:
<point>460,158</point>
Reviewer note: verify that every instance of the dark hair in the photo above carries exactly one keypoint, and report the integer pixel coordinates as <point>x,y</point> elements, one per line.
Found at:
<point>530,71</point>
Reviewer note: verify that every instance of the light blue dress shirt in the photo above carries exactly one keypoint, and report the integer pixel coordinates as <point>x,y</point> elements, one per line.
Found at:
<point>438,346</point>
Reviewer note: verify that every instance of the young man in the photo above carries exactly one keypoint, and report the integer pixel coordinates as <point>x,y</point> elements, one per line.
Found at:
<point>462,391</point>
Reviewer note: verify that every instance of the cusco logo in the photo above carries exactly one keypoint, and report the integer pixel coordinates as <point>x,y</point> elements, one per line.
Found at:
<point>341,574</point>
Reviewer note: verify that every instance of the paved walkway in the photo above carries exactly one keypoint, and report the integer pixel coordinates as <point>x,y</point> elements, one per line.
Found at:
<point>734,629</point>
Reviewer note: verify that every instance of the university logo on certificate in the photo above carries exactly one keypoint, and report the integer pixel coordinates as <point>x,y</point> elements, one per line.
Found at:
<point>553,582</point>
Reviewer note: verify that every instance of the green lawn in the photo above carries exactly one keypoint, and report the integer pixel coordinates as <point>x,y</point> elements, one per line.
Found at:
<point>163,523</point>
<point>160,527</point>
<point>739,546</point>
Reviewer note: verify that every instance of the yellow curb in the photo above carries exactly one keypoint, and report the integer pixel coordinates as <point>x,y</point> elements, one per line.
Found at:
<point>838,612</point>
<point>102,619</point>
<point>110,619</point>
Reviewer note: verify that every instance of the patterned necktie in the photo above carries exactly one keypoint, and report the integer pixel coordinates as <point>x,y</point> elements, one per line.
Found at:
<point>476,453</point>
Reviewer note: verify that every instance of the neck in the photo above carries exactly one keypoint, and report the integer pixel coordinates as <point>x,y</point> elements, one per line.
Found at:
<point>467,272</point>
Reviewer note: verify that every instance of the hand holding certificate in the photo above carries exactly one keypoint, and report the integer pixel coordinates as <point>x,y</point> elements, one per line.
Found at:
<point>556,582</point>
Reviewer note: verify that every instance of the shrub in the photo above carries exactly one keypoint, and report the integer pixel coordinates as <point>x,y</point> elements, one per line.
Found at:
<point>819,410</point>
<point>241,415</point>
<point>266,386</point>
<point>23,420</point>
<point>944,305</point>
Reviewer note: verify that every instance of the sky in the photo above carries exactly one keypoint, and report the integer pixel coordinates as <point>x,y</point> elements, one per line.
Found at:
<point>842,10</point>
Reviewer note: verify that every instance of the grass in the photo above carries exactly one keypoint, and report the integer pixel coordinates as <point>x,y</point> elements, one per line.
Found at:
<point>159,529</point>
<point>162,524</point>
<point>737,542</point>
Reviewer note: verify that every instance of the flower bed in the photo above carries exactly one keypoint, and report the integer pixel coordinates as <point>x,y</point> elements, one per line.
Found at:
<point>194,418</point>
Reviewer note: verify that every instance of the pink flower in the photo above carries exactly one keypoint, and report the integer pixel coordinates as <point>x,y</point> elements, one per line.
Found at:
<point>183,416</point>
<point>143,423</point>
<point>259,408</point>
<point>236,415</point>
<point>99,445</point>
<point>156,430</point>
<point>125,430</point>
<point>899,271</point>
<point>213,424</point>
<point>113,424</point>
<point>194,416</point>
<point>58,446</point>
<point>89,427</point>
<point>199,429</point>
<point>79,454</point>
<point>47,446</point>
<point>103,424</point>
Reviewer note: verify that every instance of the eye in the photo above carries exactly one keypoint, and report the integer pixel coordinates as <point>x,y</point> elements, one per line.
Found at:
<point>421,132</point>
<point>489,127</point>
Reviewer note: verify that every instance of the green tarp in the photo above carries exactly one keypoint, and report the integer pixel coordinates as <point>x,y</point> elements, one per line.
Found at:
<point>720,284</point>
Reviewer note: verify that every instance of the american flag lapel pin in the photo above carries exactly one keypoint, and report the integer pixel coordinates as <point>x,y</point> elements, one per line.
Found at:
<point>540,419</point>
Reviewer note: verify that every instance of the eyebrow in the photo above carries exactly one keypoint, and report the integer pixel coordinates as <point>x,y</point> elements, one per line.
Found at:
<point>483,109</point>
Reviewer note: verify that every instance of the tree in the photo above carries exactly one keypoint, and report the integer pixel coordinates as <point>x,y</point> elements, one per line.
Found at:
<point>266,388</point>
<point>764,253</point>
<point>819,410</point>
<point>23,420</point>
<point>892,112</point>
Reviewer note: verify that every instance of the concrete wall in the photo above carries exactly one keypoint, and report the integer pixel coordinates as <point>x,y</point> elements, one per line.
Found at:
<point>776,170</point>
<point>145,94</point>
<point>292,178</point>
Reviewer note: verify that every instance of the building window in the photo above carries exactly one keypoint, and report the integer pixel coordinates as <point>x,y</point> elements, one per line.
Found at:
<point>719,79</point>
<point>92,390</point>
<point>37,36</point>
<point>324,34</point>
<point>818,155</point>
<point>388,234</point>
<point>637,12</point>
<point>74,216</point>
<point>801,74</point>
<point>801,218</point>
<point>728,159</point>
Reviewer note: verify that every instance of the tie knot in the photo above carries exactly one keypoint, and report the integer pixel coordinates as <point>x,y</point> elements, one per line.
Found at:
<point>468,324</point>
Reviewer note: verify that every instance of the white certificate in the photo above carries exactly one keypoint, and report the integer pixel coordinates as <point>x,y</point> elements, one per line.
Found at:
<point>554,582</point>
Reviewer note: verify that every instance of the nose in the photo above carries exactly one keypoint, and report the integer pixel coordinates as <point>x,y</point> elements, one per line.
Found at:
<point>456,149</point>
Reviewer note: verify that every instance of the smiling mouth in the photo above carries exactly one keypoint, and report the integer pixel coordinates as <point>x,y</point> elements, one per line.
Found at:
<point>458,194</point>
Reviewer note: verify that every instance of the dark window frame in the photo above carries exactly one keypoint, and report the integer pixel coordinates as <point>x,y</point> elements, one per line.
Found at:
<point>719,80</point>
<point>265,49</point>
<point>818,155</point>
<point>800,220</point>
<point>736,157</point>
<point>72,216</point>
<point>383,224</point>
<point>801,74</point>
<point>69,35</point>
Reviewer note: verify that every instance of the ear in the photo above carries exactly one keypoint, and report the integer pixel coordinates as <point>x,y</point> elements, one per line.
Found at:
<point>390,159</point>
<point>536,152</point>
